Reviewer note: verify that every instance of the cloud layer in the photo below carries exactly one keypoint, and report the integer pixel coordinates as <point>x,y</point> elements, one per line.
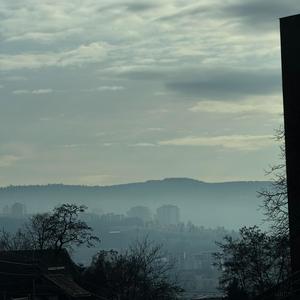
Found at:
<point>134,82</point>
<point>235,142</point>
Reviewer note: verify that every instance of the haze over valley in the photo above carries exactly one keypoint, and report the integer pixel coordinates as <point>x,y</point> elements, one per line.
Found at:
<point>228,204</point>
<point>158,116</point>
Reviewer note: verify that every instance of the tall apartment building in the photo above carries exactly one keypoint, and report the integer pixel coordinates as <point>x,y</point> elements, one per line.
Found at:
<point>168,215</point>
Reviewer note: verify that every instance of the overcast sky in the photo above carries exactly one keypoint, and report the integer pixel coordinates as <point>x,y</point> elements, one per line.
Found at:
<point>105,92</point>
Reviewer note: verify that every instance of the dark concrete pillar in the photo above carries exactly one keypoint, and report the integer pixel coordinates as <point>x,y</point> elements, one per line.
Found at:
<point>290,55</point>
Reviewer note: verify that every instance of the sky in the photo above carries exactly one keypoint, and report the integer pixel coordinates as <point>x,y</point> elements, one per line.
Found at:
<point>106,92</point>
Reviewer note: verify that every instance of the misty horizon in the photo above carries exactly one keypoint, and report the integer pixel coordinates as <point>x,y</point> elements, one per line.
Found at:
<point>135,182</point>
<point>229,204</point>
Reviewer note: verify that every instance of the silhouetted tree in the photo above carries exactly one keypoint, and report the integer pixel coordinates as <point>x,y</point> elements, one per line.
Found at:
<point>142,272</point>
<point>257,260</point>
<point>61,228</point>
<point>15,241</point>
<point>275,200</point>
<point>235,292</point>
<point>254,262</point>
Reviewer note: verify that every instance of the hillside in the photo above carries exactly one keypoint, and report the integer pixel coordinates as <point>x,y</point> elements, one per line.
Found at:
<point>229,204</point>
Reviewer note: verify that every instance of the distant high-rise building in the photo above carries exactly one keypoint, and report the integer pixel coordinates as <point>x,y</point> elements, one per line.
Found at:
<point>168,215</point>
<point>141,212</point>
<point>6,210</point>
<point>17,210</point>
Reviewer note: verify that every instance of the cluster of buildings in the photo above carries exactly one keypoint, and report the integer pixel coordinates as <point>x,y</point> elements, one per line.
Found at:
<point>197,273</point>
<point>195,269</point>
<point>16,210</point>
<point>165,215</point>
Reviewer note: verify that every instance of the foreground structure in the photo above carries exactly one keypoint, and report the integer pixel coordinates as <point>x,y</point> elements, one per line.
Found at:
<point>33,274</point>
<point>290,53</point>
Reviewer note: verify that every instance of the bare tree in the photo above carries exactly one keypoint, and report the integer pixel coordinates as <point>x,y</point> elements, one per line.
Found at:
<point>254,262</point>
<point>41,229</point>
<point>15,241</point>
<point>258,260</point>
<point>61,228</point>
<point>275,200</point>
<point>141,272</point>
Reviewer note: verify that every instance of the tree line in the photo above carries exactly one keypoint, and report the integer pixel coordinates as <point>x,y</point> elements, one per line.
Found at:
<point>259,260</point>
<point>138,273</point>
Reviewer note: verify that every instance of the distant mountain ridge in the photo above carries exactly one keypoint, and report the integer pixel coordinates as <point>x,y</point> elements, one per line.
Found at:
<point>209,204</point>
<point>164,181</point>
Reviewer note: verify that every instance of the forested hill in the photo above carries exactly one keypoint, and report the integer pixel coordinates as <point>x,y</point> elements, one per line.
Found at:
<point>209,204</point>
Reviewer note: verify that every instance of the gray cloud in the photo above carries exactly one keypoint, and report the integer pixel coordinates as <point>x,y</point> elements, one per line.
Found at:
<point>254,14</point>
<point>161,73</point>
<point>143,75</point>
<point>84,54</point>
<point>34,92</point>
<point>270,105</point>
<point>234,142</point>
<point>189,11</point>
<point>129,6</point>
<point>140,7</point>
<point>105,88</point>
<point>261,13</point>
<point>8,160</point>
<point>227,84</point>
<point>143,144</point>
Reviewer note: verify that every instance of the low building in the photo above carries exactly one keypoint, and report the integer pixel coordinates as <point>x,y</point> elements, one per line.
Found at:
<point>33,274</point>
